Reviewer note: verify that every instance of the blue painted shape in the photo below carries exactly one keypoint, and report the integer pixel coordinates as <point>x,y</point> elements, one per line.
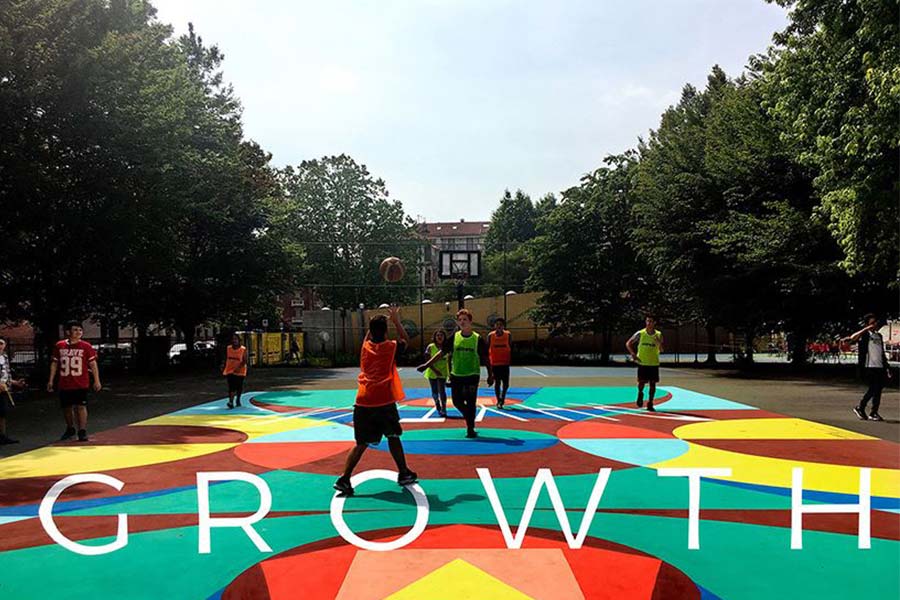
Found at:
<point>642,452</point>
<point>879,502</point>
<point>218,595</point>
<point>705,594</point>
<point>683,399</point>
<point>461,446</point>
<point>31,510</point>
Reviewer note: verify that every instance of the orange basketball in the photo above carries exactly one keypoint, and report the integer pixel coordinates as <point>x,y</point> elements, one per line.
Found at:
<point>392,269</point>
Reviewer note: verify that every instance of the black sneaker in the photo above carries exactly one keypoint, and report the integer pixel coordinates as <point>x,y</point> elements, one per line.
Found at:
<point>343,486</point>
<point>500,404</point>
<point>82,435</point>
<point>238,403</point>
<point>472,434</point>
<point>650,407</point>
<point>860,413</point>
<point>640,401</point>
<point>443,414</point>
<point>407,478</point>
<point>7,440</point>
<point>230,405</point>
<point>68,434</point>
<point>875,417</point>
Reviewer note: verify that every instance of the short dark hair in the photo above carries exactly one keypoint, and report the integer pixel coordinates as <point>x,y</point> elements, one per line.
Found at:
<point>868,316</point>
<point>70,324</point>
<point>378,325</point>
<point>651,316</point>
<point>500,320</point>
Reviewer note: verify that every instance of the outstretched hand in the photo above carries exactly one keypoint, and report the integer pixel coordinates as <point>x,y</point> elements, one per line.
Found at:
<point>394,311</point>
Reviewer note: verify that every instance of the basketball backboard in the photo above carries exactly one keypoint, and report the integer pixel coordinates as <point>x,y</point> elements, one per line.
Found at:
<point>460,264</point>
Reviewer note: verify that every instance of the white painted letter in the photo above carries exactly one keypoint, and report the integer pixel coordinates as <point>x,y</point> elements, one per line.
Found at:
<point>863,508</point>
<point>337,513</point>
<point>45,513</point>
<point>207,522</point>
<point>543,478</point>
<point>694,475</point>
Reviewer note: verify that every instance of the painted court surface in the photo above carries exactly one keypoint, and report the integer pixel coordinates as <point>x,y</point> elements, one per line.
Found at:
<point>637,545</point>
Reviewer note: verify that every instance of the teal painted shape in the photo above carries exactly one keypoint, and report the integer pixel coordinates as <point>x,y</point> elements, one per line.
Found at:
<point>5,520</point>
<point>642,452</point>
<point>309,398</point>
<point>324,433</point>
<point>581,396</point>
<point>683,399</point>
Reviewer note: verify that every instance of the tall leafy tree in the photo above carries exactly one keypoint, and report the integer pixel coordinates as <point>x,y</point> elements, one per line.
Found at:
<point>583,259</point>
<point>833,81</point>
<point>678,202</point>
<point>348,224</point>
<point>513,225</point>
<point>777,250</point>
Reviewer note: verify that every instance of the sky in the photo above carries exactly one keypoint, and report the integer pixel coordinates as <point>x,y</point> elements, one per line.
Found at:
<point>453,101</point>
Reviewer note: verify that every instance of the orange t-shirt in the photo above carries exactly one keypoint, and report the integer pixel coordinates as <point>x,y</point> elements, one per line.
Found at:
<point>233,358</point>
<point>499,349</point>
<point>379,381</point>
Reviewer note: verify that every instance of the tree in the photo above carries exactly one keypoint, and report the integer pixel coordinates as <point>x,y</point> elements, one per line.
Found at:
<point>833,82</point>
<point>348,225</point>
<point>127,188</point>
<point>777,250</point>
<point>583,259</point>
<point>506,264</point>
<point>677,203</point>
<point>511,223</point>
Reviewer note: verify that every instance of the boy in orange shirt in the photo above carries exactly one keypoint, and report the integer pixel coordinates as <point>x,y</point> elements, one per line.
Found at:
<point>375,412</point>
<point>235,370</point>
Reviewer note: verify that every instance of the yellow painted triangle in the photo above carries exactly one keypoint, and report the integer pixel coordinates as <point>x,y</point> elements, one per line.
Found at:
<point>458,580</point>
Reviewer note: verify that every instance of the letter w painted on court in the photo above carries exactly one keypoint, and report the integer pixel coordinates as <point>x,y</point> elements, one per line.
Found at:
<point>544,478</point>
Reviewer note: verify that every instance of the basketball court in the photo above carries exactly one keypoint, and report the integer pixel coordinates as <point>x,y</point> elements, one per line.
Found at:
<point>295,440</point>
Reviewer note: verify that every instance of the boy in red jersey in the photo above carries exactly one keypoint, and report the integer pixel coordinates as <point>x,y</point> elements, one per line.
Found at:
<point>375,412</point>
<point>72,358</point>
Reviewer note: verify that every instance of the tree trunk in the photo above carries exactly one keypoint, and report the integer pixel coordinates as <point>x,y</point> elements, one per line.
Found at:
<point>605,346</point>
<point>188,330</point>
<point>797,347</point>
<point>710,344</point>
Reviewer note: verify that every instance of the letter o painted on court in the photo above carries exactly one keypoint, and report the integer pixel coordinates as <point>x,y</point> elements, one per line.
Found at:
<point>337,514</point>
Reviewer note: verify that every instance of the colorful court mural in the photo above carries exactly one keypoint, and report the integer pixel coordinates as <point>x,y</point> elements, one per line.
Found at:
<point>296,441</point>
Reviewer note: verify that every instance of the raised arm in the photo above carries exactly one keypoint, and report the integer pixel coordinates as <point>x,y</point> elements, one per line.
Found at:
<point>853,338</point>
<point>394,312</point>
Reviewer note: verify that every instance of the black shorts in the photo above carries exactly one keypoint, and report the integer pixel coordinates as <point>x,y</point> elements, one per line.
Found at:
<point>372,422</point>
<point>69,398</point>
<point>235,383</point>
<point>648,374</point>
<point>501,373</point>
<point>5,406</point>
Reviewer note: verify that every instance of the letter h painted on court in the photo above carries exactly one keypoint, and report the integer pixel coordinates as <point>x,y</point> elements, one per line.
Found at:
<point>862,508</point>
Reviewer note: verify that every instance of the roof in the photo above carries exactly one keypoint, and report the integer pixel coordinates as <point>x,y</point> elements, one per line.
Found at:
<point>454,229</point>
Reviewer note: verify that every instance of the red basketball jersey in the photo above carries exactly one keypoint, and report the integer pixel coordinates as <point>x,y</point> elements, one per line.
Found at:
<point>73,362</point>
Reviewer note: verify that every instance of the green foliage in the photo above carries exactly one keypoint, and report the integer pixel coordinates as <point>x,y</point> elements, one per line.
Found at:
<point>833,82</point>
<point>583,257</point>
<point>348,225</point>
<point>511,223</point>
<point>127,188</point>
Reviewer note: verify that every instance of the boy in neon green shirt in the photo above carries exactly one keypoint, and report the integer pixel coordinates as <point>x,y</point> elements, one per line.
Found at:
<point>649,343</point>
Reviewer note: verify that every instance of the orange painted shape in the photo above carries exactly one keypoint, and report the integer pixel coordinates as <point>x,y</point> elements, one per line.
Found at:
<point>284,455</point>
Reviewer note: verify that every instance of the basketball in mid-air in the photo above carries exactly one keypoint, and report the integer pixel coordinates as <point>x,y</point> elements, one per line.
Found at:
<point>392,269</point>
